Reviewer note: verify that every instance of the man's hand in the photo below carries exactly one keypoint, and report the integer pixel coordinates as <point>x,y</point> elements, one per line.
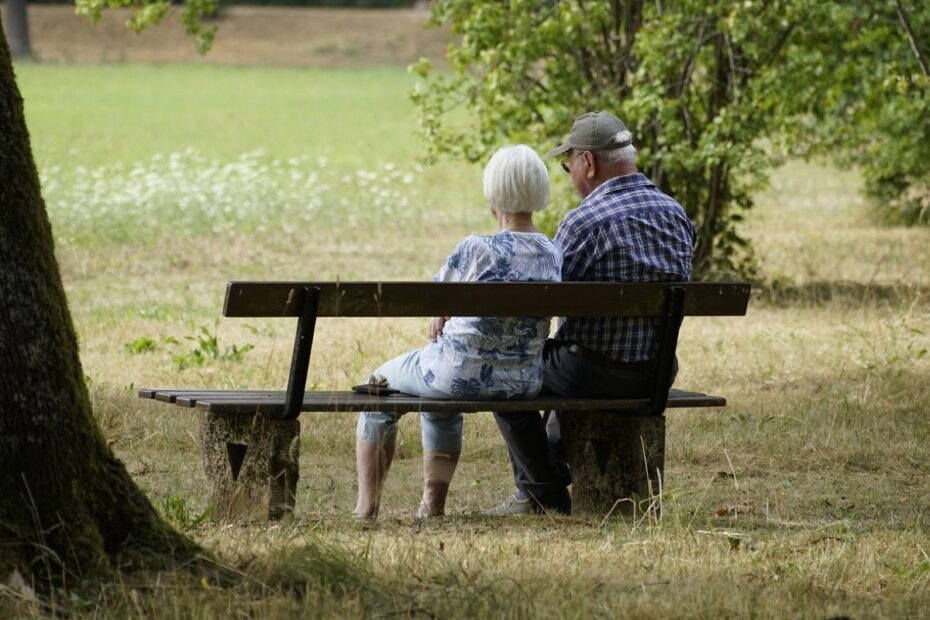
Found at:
<point>435,327</point>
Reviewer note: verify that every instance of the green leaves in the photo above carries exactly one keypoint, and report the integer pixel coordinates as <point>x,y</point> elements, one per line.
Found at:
<point>207,348</point>
<point>526,68</point>
<point>147,13</point>
<point>141,345</point>
<point>716,92</point>
<point>192,16</point>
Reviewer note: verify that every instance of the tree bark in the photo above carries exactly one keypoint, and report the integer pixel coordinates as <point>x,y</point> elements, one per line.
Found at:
<point>16,21</point>
<point>617,461</point>
<point>69,507</point>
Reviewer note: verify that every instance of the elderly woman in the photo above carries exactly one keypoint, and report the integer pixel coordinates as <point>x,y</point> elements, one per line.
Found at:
<point>469,357</point>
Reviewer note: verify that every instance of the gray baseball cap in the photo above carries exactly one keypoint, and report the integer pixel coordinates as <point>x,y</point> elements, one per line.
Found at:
<point>594,131</point>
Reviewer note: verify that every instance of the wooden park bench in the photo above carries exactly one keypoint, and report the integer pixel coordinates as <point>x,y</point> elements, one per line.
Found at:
<point>250,439</point>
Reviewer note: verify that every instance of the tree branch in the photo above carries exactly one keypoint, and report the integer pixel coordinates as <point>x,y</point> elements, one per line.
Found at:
<point>602,65</point>
<point>734,75</point>
<point>906,24</point>
<point>615,10</point>
<point>779,45</point>
<point>609,55</point>
<point>689,63</point>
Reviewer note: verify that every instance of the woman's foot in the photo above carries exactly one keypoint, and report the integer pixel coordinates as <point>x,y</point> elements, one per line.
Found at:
<point>425,512</point>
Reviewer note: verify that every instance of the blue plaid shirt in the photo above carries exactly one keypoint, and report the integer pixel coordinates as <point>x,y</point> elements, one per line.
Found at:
<point>626,230</point>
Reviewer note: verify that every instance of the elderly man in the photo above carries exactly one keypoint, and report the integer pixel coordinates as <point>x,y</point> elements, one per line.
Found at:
<point>624,230</point>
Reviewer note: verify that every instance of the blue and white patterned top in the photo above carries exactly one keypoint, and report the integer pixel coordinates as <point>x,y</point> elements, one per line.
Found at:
<point>493,357</point>
<point>626,230</point>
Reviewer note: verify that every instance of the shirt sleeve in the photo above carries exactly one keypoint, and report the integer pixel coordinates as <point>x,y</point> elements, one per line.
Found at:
<point>576,243</point>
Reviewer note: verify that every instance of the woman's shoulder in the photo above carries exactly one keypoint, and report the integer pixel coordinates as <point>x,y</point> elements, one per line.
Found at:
<point>474,243</point>
<point>532,238</point>
<point>509,243</point>
<point>481,244</point>
<point>490,244</point>
<point>541,243</point>
<point>469,251</point>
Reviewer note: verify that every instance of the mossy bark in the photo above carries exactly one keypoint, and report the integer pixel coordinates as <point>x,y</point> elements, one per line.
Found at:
<point>69,507</point>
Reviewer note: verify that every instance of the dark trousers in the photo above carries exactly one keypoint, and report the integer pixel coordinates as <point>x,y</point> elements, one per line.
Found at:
<point>540,469</point>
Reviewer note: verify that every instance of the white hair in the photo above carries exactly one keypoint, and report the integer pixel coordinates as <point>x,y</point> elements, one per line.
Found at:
<point>625,155</point>
<point>516,180</point>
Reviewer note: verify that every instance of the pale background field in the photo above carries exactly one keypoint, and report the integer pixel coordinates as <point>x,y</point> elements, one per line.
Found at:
<point>808,496</point>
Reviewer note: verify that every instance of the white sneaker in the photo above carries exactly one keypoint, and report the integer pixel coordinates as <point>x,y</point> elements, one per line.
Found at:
<point>510,506</point>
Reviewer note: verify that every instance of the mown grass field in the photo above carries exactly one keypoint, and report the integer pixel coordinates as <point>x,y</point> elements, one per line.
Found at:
<point>808,496</point>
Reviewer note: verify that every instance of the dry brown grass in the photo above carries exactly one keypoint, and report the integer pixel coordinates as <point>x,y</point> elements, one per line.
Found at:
<point>807,496</point>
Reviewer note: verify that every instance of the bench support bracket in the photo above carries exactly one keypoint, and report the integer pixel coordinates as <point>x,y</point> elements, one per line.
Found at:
<point>617,461</point>
<point>309,300</point>
<point>667,336</point>
<point>251,464</point>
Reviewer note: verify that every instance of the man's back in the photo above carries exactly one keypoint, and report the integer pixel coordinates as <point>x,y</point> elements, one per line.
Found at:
<point>626,230</point>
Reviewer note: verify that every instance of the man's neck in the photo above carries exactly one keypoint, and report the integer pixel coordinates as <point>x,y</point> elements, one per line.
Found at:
<point>616,170</point>
<point>606,173</point>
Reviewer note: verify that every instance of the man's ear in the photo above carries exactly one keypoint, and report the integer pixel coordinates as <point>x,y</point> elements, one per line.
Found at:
<point>592,164</point>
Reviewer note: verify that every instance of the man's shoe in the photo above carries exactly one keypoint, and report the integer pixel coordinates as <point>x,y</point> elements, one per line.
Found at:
<point>512,505</point>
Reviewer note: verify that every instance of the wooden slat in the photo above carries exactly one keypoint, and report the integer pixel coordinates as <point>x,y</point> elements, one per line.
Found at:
<point>190,399</point>
<point>170,395</point>
<point>186,397</point>
<point>271,402</point>
<point>396,299</point>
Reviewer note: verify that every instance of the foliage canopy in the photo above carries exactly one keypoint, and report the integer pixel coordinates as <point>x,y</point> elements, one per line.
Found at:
<point>151,12</point>
<point>717,92</point>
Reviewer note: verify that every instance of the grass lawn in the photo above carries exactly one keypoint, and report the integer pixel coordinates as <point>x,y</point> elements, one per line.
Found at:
<point>808,496</point>
<point>95,115</point>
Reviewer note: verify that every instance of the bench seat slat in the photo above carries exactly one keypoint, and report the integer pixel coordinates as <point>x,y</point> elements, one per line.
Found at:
<point>190,399</point>
<point>169,395</point>
<point>272,402</point>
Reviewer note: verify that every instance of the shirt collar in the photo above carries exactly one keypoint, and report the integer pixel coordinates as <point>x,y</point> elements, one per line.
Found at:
<point>616,184</point>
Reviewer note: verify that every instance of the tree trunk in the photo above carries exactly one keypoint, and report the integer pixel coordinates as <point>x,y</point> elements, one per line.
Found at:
<point>617,461</point>
<point>69,506</point>
<point>718,190</point>
<point>16,21</point>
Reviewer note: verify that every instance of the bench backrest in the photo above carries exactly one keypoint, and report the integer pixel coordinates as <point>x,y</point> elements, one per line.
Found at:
<point>407,299</point>
<point>668,303</point>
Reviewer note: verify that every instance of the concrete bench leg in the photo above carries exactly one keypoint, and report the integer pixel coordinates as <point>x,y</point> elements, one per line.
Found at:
<point>614,457</point>
<point>251,464</point>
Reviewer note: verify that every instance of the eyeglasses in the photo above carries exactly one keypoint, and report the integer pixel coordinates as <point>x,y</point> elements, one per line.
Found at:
<point>564,162</point>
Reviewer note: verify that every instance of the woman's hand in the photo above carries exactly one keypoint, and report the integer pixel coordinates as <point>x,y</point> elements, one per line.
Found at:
<point>435,327</point>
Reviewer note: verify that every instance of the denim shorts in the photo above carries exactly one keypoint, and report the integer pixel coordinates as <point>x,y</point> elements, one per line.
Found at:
<point>441,432</point>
